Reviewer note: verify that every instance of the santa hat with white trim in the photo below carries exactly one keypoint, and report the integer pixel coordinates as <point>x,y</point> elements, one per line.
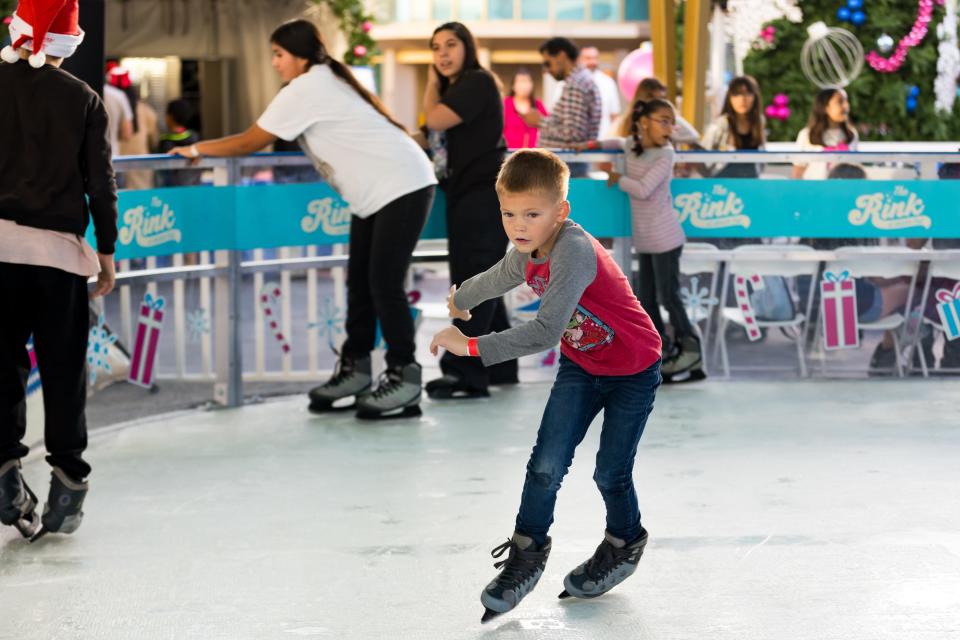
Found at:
<point>44,27</point>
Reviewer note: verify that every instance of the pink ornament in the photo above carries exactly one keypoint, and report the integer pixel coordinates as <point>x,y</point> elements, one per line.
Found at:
<point>783,112</point>
<point>8,20</point>
<point>771,111</point>
<point>366,26</point>
<point>781,100</point>
<point>359,51</point>
<point>916,35</point>
<point>635,67</point>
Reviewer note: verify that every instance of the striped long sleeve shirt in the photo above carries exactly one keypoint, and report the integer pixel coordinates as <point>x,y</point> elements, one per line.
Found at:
<point>576,116</point>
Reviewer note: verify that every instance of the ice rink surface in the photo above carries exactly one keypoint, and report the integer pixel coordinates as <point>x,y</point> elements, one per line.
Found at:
<point>820,510</point>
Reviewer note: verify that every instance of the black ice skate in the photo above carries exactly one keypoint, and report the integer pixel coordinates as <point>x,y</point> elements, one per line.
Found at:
<point>350,380</point>
<point>686,365</point>
<point>397,395</point>
<point>520,573</point>
<point>18,503</point>
<point>612,563</point>
<point>63,511</point>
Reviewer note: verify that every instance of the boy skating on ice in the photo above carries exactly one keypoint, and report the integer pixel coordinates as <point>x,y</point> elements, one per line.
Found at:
<point>610,361</point>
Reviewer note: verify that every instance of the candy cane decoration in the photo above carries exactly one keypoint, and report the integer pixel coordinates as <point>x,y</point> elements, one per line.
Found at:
<point>269,299</point>
<point>743,300</point>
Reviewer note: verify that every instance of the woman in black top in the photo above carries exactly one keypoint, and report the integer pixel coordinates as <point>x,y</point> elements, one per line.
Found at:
<point>464,119</point>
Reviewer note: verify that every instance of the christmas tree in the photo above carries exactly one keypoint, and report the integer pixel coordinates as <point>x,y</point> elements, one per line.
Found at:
<point>880,104</point>
<point>6,11</point>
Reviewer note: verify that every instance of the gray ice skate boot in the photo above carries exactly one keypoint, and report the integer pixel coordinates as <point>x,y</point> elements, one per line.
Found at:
<point>18,503</point>
<point>397,395</point>
<point>612,563</point>
<point>350,379</point>
<point>686,365</point>
<point>63,511</point>
<point>520,573</point>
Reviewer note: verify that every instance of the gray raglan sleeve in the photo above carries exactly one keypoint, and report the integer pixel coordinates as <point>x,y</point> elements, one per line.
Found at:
<point>573,266</point>
<point>492,283</point>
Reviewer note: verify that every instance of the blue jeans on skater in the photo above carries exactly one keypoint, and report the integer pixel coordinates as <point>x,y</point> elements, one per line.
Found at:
<point>575,400</point>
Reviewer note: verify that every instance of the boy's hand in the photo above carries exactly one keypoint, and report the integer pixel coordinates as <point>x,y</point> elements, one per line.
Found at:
<point>613,178</point>
<point>107,277</point>
<point>456,314</point>
<point>451,339</point>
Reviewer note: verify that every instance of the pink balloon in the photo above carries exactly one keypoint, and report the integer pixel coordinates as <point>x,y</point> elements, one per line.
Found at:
<point>635,67</point>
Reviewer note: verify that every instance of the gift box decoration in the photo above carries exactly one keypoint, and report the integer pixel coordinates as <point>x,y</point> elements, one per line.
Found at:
<point>948,306</point>
<point>838,310</point>
<point>147,338</point>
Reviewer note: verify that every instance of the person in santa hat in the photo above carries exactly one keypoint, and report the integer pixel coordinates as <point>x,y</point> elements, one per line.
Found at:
<point>55,175</point>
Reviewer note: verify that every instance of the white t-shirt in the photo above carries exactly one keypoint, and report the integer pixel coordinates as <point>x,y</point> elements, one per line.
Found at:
<point>831,138</point>
<point>609,100</point>
<point>368,160</point>
<point>118,109</point>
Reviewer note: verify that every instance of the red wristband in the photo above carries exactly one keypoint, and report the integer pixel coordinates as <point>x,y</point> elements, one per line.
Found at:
<point>472,347</point>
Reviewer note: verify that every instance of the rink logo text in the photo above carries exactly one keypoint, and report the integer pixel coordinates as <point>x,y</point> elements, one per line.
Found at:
<point>718,209</point>
<point>150,226</point>
<point>326,213</point>
<point>901,209</point>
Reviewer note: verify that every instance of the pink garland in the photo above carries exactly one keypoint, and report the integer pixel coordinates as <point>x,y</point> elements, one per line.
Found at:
<point>912,39</point>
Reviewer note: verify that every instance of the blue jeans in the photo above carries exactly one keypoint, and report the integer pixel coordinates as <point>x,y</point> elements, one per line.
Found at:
<point>575,400</point>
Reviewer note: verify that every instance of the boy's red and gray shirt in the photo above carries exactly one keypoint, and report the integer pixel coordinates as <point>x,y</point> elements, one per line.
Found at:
<point>587,305</point>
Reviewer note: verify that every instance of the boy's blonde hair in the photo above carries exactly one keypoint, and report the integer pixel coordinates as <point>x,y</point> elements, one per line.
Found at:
<point>534,170</point>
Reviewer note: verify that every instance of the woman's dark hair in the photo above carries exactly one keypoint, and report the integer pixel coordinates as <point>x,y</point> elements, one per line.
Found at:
<point>847,171</point>
<point>755,138</point>
<point>819,120</point>
<point>470,60</point>
<point>522,71</point>
<point>645,109</point>
<point>553,46</point>
<point>302,39</point>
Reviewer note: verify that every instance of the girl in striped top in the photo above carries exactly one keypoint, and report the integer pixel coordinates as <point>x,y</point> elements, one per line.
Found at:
<point>657,235</point>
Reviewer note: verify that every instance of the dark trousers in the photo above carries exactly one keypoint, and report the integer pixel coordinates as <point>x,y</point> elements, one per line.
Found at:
<point>660,285</point>
<point>51,305</point>
<point>575,400</point>
<point>380,249</point>
<point>476,241</point>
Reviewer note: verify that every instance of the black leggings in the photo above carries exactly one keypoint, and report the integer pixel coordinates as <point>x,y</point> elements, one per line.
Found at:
<point>660,284</point>
<point>51,305</point>
<point>381,246</point>
<point>477,241</point>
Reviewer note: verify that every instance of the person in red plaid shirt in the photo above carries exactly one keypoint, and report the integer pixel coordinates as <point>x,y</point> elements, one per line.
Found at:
<point>576,116</point>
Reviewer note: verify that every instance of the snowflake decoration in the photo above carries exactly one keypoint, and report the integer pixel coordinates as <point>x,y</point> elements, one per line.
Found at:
<point>330,324</point>
<point>198,324</point>
<point>98,350</point>
<point>697,300</point>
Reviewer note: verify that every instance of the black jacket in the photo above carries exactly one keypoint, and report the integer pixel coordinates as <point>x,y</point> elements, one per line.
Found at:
<point>55,154</point>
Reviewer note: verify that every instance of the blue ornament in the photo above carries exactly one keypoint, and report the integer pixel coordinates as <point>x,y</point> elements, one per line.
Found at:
<point>911,104</point>
<point>858,18</point>
<point>855,4</point>
<point>914,91</point>
<point>843,14</point>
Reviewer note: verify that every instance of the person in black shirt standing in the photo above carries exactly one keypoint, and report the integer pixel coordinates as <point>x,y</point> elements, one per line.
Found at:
<point>464,118</point>
<point>55,175</point>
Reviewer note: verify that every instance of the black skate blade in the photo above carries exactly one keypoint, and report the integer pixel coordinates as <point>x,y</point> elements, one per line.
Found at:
<point>39,534</point>
<point>413,411</point>
<point>489,614</point>
<point>564,595</point>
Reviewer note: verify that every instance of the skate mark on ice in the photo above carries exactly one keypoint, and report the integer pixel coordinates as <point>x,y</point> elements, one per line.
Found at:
<point>755,547</point>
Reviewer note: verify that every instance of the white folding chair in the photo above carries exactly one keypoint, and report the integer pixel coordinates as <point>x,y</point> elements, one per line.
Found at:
<point>741,265</point>
<point>867,262</point>
<point>702,258</point>
<point>946,265</point>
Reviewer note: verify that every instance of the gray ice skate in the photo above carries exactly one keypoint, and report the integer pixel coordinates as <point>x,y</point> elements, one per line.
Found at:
<point>63,511</point>
<point>18,503</point>
<point>612,563</point>
<point>350,379</point>
<point>686,365</point>
<point>520,573</point>
<point>397,395</point>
